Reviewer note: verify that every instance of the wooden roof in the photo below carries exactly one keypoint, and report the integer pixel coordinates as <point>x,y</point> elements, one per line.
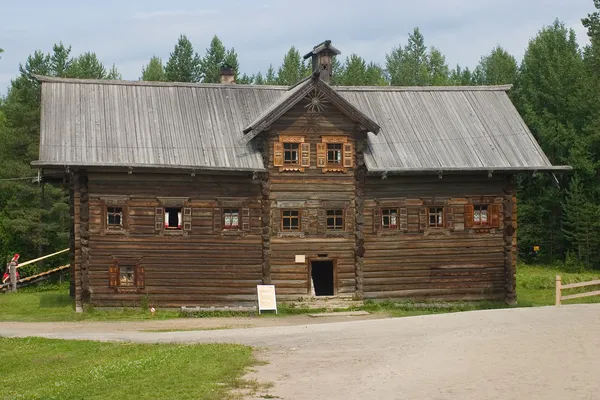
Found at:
<point>201,126</point>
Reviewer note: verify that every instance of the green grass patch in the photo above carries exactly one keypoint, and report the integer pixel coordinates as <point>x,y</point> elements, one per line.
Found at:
<point>34,368</point>
<point>47,303</point>
<point>535,287</point>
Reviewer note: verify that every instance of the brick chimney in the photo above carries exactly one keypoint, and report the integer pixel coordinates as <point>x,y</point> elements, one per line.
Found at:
<point>322,59</point>
<point>227,74</point>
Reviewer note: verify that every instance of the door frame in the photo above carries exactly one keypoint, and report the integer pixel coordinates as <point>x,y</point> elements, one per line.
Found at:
<point>334,271</point>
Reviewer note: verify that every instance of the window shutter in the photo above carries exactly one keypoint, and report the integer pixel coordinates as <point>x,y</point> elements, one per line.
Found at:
<point>376,220</point>
<point>348,155</point>
<point>305,157</point>
<point>423,219</point>
<point>403,219</point>
<point>217,220</point>
<point>246,219</point>
<point>469,215</point>
<point>348,219</point>
<point>277,154</point>
<point>158,219</point>
<point>124,218</point>
<point>321,221</point>
<point>140,279</point>
<point>494,215</point>
<point>449,218</point>
<point>113,275</point>
<point>321,155</point>
<point>187,219</point>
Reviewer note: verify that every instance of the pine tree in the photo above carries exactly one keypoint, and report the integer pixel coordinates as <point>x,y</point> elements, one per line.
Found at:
<point>154,71</point>
<point>270,77</point>
<point>60,59</point>
<point>258,79</point>
<point>461,77</point>
<point>356,72</point>
<point>413,65</point>
<point>293,68</point>
<point>87,66</point>
<point>216,55</point>
<point>184,65</point>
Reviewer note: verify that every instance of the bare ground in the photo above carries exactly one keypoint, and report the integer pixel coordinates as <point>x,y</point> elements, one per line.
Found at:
<point>527,353</point>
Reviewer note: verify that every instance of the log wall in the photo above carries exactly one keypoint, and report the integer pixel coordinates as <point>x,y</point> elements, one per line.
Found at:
<point>456,262</point>
<point>204,266</point>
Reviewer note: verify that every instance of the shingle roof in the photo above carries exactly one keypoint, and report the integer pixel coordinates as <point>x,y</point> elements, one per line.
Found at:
<point>200,126</point>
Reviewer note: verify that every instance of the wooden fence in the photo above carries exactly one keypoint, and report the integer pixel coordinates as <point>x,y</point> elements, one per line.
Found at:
<point>560,287</point>
<point>11,271</point>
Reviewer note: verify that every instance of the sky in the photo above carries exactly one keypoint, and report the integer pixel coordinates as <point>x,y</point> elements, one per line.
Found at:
<point>129,32</point>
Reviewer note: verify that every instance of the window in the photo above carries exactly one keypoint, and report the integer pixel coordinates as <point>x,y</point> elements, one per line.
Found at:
<point>335,220</point>
<point>290,220</point>
<point>480,215</point>
<point>290,153</point>
<point>436,217</point>
<point>334,153</point>
<point>114,217</point>
<point>389,218</point>
<point>173,219</point>
<point>231,218</point>
<point>126,276</point>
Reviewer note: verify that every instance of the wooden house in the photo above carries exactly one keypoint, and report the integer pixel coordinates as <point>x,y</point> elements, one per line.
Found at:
<point>193,194</point>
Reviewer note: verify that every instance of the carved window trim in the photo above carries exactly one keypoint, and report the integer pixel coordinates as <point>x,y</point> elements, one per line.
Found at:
<point>173,203</point>
<point>346,153</point>
<point>115,275</point>
<point>280,150</point>
<point>114,202</point>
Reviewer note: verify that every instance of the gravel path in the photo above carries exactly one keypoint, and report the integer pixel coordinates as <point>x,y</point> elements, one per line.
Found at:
<point>528,353</point>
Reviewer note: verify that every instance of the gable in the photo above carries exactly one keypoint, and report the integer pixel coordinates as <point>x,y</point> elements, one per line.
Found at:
<point>311,88</point>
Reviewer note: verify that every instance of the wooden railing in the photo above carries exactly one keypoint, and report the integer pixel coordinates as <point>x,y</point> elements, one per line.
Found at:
<point>11,270</point>
<point>560,287</point>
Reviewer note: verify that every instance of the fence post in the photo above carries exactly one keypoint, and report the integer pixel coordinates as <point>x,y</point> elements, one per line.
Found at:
<point>12,272</point>
<point>558,289</point>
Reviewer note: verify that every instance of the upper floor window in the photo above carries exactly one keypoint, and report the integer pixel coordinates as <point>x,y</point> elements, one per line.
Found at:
<point>335,220</point>
<point>389,218</point>
<point>290,153</point>
<point>436,217</point>
<point>173,219</point>
<point>334,153</point>
<point>114,217</point>
<point>231,218</point>
<point>480,215</point>
<point>290,220</point>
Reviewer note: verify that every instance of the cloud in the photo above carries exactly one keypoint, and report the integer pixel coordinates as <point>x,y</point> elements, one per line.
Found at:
<point>263,31</point>
<point>170,14</point>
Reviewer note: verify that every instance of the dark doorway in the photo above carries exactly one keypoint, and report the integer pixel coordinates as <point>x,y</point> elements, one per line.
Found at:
<point>322,276</point>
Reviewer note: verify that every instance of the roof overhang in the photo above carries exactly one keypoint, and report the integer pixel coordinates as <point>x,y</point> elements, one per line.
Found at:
<point>141,167</point>
<point>466,170</point>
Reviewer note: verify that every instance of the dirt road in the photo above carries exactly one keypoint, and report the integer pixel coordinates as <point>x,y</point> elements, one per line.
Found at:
<point>529,353</point>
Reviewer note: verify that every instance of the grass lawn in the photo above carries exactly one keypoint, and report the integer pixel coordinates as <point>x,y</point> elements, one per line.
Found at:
<point>535,287</point>
<point>34,368</point>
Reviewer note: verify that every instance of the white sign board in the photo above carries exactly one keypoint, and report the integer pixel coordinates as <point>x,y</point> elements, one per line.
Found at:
<point>300,258</point>
<point>266,298</point>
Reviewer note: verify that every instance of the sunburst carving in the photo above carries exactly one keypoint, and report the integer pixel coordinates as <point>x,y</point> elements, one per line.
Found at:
<point>317,102</point>
<point>311,122</point>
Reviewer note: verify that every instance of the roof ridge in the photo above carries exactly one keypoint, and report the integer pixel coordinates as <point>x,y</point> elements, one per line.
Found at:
<point>487,88</point>
<point>52,79</point>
